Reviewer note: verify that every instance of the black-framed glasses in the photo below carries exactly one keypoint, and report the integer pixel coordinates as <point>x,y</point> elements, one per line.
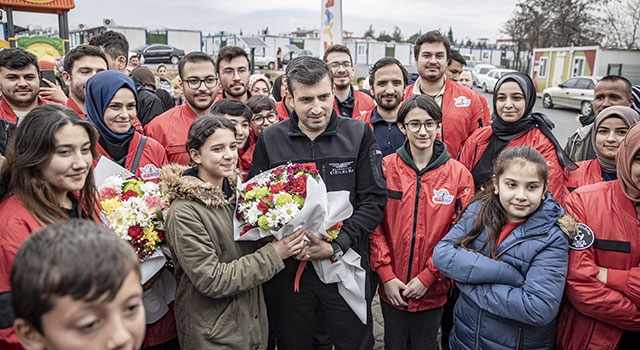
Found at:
<point>271,118</point>
<point>195,83</point>
<point>414,125</point>
<point>336,65</point>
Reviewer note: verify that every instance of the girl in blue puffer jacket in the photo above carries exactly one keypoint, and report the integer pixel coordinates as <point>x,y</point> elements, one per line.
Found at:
<point>508,255</point>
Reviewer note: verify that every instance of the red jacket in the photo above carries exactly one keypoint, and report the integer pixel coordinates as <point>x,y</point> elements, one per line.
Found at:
<point>17,225</point>
<point>462,113</point>
<point>396,251</point>
<point>8,114</point>
<point>362,103</point>
<point>589,172</point>
<point>152,159</point>
<point>282,111</point>
<point>596,314</point>
<point>477,143</point>
<point>171,130</point>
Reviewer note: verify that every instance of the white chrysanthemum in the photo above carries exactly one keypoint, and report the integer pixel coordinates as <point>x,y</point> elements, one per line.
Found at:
<point>150,189</point>
<point>273,220</point>
<point>287,212</point>
<point>251,215</point>
<point>114,182</point>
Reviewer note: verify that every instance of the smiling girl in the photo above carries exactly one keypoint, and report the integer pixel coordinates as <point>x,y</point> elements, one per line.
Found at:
<point>508,255</point>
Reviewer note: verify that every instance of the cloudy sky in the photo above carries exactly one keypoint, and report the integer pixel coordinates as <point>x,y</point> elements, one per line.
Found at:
<point>468,18</point>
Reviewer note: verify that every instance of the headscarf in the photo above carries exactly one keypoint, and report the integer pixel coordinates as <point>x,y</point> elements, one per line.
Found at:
<point>624,158</point>
<point>628,115</point>
<point>504,132</point>
<point>99,92</point>
<point>275,90</point>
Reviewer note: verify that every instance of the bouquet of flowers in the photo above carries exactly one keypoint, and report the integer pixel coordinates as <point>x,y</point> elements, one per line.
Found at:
<point>135,210</point>
<point>279,201</point>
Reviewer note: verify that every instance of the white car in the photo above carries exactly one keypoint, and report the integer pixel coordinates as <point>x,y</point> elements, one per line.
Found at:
<point>481,70</point>
<point>576,93</point>
<point>490,79</point>
<point>264,62</point>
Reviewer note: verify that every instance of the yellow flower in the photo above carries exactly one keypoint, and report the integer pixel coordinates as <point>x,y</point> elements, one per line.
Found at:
<point>151,235</point>
<point>111,204</point>
<point>262,222</point>
<point>300,200</point>
<point>261,192</point>
<point>283,199</point>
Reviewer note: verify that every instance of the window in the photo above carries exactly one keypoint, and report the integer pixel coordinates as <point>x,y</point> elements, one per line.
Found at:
<point>585,84</point>
<point>542,67</point>
<point>571,83</point>
<point>578,66</point>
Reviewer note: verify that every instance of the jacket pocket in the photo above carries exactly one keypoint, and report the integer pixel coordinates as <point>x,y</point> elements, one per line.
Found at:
<point>224,328</point>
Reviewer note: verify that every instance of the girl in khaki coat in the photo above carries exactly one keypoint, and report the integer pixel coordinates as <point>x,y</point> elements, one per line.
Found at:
<point>219,302</point>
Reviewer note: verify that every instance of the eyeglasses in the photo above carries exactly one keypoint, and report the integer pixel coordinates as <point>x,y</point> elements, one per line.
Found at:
<point>271,118</point>
<point>336,65</point>
<point>195,83</point>
<point>229,72</point>
<point>414,125</point>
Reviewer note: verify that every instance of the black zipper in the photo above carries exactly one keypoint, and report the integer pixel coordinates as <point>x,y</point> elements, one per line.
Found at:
<point>478,329</point>
<point>520,339</point>
<point>413,231</point>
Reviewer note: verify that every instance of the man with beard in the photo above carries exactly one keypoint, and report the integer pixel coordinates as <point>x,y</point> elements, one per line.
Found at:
<point>19,84</point>
<point>81,63</point>
<point>388,79</point>
<point>349,102</point>
<point>234,71</point>
<point>200,87</point>
<point>462,110</point>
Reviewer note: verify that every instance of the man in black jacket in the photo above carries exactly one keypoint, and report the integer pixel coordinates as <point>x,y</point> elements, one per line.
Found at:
<point>348,158</point>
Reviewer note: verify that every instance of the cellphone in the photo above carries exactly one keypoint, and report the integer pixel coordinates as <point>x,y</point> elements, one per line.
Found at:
<point>48,74</point>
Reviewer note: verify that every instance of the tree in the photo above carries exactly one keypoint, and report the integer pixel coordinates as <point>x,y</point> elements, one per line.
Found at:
<point>450,36</point>
<point>370,32</point>
<point>412,39</point>
<point>384,37</point>
<point>397,34</point>
<point>621,24</point>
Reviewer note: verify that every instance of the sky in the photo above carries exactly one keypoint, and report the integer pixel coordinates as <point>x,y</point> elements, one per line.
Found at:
<point>468,19</point>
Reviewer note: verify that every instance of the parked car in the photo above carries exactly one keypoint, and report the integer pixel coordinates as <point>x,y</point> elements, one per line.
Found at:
<point>482,69</point>
<point>263,62</point>
<point>160,53</point>
<point>491,78</point>
<point>576,93</point>
<point>291,55</point>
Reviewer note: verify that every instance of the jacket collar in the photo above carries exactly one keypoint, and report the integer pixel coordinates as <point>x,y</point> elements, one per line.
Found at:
<point>439,156</point>
<point>181,182</point>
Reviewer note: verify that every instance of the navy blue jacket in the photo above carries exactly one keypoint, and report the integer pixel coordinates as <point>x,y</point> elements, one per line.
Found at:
<point>510,302</point>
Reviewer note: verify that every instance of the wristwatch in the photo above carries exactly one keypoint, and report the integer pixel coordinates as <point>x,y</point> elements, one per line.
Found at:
<point>337,251</point>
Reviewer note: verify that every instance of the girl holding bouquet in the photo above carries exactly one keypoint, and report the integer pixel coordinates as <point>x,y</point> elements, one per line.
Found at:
<point>427,189</point>
<point>110,101</point>
<point>47,178</point>
<point>508,255</point>
<point>219,301</point>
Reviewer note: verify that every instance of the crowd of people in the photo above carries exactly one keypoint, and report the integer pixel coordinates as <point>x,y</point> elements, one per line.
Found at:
<point>469,220</point>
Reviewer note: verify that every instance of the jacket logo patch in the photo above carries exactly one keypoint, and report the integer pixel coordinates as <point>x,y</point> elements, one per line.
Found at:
<point>583,239</point>
<point>341,168</point>
<point>462,101</point>
<point>442,196</point>
<point>363,112</point>
<point>149,172</point>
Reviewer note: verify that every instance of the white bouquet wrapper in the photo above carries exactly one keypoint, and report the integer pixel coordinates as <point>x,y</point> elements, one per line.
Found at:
<point>320,212</point>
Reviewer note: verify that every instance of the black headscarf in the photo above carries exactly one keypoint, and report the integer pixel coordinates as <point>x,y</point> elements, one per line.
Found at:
<point>504,132</point>
<point>275,90</point>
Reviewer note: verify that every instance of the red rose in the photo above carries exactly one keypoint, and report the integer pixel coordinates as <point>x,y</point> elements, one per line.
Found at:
<point>299,186</point>
<point>128,194</point>
<point>135,232</point>
<point>263,207</point>
<point>245,230</point>
<point>276,188</point>
<point>250,186</point>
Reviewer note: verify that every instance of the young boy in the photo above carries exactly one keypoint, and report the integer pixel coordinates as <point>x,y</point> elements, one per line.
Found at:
<point>427,189</point>
<point>264,115</point>
<point>76,285</point>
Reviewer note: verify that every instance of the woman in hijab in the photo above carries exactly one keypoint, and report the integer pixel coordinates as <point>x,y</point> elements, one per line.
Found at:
<point>610,128</point>
<point>111,106</point>
<point>603,259</point>
<point>514,125</point>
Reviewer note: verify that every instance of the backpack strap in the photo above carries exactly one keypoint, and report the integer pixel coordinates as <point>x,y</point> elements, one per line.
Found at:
<point>136,160</point>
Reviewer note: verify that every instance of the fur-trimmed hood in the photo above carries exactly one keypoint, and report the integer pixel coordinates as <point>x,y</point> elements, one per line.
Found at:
<point>177,185</point>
